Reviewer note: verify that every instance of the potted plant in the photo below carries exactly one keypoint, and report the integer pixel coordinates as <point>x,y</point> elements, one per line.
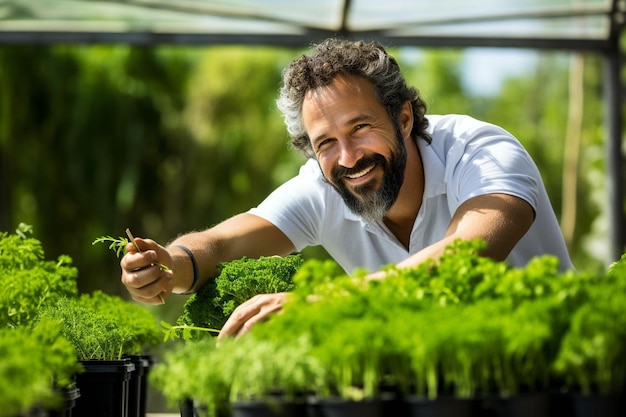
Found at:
<point>592,357</point>
<point>269,377</point>
<point>29,282</point>
<point>104,330</point>
<point>98,327</point>
<point>463,336</point>
<point>205,312</point>
<point>491,338</point>
<point>37,368</point>
<point>145,334</point>
<point>250,375</point>
<point>200,359</point>
<point>141,325</point>
<point>489,330</point>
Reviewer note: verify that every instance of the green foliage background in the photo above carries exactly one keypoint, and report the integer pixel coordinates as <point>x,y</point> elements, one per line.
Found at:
<point>94,139</point>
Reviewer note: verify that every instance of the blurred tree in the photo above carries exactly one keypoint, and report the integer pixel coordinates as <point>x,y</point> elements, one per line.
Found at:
<point>437,75</point>
<point>163,140</point>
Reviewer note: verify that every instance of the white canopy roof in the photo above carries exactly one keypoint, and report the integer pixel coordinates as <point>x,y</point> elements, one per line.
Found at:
<point>571,24</point>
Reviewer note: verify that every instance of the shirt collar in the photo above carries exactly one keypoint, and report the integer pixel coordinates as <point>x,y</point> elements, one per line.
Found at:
<point>434,170</point>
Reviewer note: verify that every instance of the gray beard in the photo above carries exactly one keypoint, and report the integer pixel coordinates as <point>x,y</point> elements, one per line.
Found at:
<point>373,209</point>
<point>373,204</point>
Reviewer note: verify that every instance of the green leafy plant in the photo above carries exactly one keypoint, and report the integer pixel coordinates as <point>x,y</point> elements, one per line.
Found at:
<point>618,268</point>
<point>592,357</point>
<point>46,327</point>
<point>136,319</point>
<point>462,326</point>
<point>243,369</point>
<point>27,280</point>
<point>36,362</point>
<point>102,326</point>
<point>485,348</point>
<point>208,383</point>
<point>93,335</point>
<point>237,282</point>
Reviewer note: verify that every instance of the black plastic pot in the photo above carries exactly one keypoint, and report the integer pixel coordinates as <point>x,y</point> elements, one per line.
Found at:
<point>70,395</point>
<point>191,408</point>
<point>338,407</point>
<point>36,411</point>
<point>393,404</point>
<point>523,405</point>
<point>188,408</point>
<point>138,385</point>
<point>103,388</point>
<point>439,407</point>
<point>593,405</point>
<point>273,408</point>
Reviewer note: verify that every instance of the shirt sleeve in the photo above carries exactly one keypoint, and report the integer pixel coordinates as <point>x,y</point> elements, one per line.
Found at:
<point>296,208</point>
<point>491,161</point>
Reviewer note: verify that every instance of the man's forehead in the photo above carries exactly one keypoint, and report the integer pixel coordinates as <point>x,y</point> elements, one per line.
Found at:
<point>342,90</point>
<point>342,82</point>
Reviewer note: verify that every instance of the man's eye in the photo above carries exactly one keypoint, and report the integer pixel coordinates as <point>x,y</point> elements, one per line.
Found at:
<point>323,143</point>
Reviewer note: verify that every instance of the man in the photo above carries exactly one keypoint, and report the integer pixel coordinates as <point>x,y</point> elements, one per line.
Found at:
<point>384,184</point>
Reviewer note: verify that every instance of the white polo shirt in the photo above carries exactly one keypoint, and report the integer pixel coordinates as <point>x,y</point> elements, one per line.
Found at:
<point>467,158</point>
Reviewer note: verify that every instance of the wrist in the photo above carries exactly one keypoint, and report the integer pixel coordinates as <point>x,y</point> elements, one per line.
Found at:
<point>194,269</point>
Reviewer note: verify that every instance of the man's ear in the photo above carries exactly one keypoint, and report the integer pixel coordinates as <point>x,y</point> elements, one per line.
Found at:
<point>406,119</point>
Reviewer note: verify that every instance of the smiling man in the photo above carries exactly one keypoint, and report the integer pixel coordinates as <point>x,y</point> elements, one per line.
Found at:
<point>385,183</point>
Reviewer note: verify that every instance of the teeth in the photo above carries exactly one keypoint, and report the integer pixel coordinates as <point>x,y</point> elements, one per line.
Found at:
<point>360,174</point>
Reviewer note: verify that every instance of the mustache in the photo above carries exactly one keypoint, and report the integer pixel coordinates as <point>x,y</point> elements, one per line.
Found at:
<point>340,171</point>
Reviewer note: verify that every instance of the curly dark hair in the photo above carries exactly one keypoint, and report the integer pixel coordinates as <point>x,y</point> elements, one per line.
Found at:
<point>335,57</point>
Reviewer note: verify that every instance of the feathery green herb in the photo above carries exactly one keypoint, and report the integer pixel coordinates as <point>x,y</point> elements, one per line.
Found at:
<point>35,363</point>
<point>116,244</point>
<point>237,282</point>
<point>27,280</point>
<point>464,325</point>
<point>102,326</point>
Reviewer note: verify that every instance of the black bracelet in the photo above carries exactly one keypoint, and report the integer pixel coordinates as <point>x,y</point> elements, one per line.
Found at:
<point>194,264</point>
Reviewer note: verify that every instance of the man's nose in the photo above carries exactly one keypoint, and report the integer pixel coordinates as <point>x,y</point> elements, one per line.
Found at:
<point>350,153</point>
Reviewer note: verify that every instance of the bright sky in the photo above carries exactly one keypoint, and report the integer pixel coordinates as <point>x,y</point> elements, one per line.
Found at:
<point>486,68</point>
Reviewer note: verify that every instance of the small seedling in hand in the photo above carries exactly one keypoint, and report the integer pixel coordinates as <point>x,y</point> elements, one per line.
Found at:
<point>132,239</point>
<point>118,245</point>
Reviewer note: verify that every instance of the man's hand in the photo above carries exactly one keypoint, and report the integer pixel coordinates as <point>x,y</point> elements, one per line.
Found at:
<point>144,279</point>
<point>251,312</point>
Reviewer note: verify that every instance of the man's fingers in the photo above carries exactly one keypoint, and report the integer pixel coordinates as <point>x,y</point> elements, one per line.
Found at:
<point>137,278</point>
<point>239,317</point>
<point>251,312</point>
<point>150,285</point>
<point>134,261</point>
<point>159,299</point>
